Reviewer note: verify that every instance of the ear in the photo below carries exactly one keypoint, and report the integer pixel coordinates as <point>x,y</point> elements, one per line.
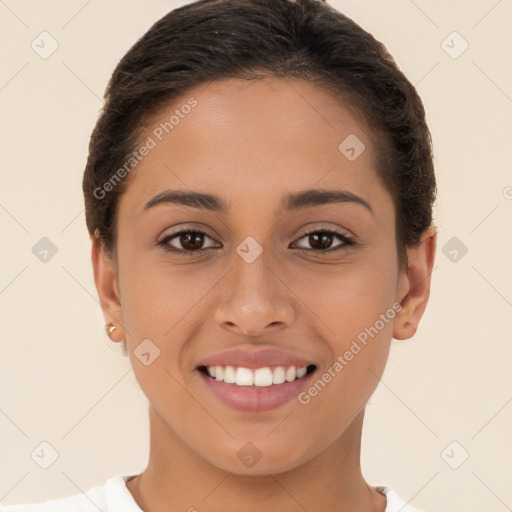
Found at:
<point>414,289</point>
<point>108,292</point>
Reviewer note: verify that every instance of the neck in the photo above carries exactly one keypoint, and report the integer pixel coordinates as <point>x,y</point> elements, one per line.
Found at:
<point>178,478</point>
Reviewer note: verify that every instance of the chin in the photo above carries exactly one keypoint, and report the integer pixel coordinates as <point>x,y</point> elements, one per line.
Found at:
<point>251,461</point>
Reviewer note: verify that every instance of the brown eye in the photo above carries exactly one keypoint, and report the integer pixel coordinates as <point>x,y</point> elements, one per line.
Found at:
<point>321,241</point>
<point>192,242</point>
<point>189,242</point>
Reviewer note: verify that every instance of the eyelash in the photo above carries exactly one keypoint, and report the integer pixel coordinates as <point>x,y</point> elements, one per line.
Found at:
<point>348,242</point>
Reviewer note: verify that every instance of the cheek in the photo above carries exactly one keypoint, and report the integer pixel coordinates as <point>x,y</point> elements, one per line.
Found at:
<point>354,315</point>
<point>345,299</point>
<point>359,350</point>
<point>159,298</point>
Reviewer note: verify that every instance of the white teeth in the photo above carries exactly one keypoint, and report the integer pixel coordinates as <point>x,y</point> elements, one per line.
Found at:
<point>301,372</point>
<point>244,377</point>
<point>260,377</point>
<point>219,372</point>
<point>291,374</point>
<point>278,376</point>
<point>263,377</point>
<point>229,375</point>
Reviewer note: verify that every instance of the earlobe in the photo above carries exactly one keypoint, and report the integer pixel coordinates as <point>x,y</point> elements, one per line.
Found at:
<point>106,286</point>
<point>417,279</point>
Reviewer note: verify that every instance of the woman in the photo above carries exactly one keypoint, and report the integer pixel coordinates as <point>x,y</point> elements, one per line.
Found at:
<point>259,196</point>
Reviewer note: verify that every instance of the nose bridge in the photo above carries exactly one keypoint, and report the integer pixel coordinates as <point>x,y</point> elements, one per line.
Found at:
<point>252,278</point>
<point>251,262</point>
<point>254,296</point>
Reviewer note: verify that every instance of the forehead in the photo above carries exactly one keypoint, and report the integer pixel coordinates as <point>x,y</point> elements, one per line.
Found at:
<point>246,139</point>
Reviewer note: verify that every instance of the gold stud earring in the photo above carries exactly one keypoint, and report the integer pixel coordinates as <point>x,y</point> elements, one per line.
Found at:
<point>110,328</point>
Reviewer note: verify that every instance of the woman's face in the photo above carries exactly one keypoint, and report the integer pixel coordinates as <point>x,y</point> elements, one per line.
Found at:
<point>257,284</point>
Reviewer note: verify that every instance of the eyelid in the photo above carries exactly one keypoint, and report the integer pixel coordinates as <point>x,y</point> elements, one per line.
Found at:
<point>332,229</point>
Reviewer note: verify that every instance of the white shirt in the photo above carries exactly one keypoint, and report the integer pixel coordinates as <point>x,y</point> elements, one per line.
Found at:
<point>114,496</point>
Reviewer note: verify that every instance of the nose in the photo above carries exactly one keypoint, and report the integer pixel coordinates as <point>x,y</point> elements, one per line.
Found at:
<point>255,299</point>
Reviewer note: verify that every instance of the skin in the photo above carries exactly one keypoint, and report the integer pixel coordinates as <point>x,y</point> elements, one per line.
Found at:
<point>251,143</point>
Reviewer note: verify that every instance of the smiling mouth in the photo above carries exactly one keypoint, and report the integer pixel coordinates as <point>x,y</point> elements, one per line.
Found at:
<point>256,377</point>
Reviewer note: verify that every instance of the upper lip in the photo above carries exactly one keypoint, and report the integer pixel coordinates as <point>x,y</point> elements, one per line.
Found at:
<point>255,359</point>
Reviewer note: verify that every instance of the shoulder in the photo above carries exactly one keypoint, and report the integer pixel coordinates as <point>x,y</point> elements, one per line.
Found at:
<point>110,497</point>
<point>394,502</point>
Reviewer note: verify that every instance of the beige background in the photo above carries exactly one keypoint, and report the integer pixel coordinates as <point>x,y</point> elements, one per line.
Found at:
<point>60,383</point>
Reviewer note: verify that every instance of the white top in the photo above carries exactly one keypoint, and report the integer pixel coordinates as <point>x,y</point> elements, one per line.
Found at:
<point>114,496</point>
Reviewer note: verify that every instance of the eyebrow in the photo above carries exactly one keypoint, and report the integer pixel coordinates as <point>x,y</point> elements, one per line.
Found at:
<point>293,201</point>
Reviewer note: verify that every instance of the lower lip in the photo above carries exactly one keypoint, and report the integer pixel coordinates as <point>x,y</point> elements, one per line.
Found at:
<point>254,398</point>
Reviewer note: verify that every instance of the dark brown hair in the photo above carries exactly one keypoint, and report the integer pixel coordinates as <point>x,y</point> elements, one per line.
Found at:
<point>307,39</point>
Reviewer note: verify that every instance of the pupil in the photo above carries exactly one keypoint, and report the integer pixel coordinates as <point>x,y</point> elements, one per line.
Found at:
<point>324,238</point>
<point>191,240</point>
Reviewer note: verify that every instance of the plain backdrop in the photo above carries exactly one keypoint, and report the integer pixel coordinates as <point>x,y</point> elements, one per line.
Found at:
<point>437,428</point>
